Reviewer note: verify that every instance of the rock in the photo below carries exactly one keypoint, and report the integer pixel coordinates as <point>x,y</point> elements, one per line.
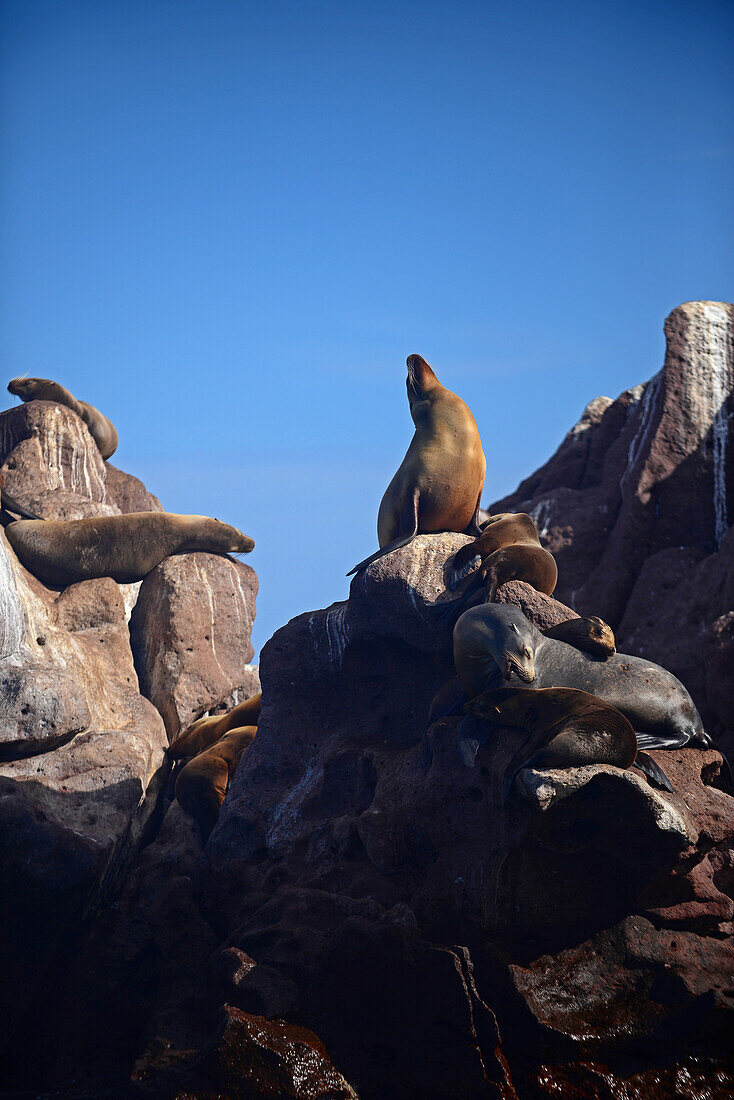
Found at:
<point>190,633</point>
<point>252,1059</point>
<point>81,759</point>
<point>128,492</point>
<point>50,464</point>
<point>250,686</point>
<point>636,507</point>
<point>718,655</point>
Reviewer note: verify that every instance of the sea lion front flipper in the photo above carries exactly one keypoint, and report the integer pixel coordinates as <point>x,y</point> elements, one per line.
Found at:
<point>468,745</point>
<point>653,771</point>
<point>16,509</point>
<point>402,540</point>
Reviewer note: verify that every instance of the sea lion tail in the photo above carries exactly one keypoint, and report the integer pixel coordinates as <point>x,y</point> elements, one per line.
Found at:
<point>394,545</point>
<point>653,771</point>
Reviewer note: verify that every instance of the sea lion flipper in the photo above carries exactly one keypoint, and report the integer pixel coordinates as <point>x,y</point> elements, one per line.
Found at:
<point>468,745</point>
<point>12,506</point>
<point>474,527</point>
<point>653,771</point>
<point>411,513</point>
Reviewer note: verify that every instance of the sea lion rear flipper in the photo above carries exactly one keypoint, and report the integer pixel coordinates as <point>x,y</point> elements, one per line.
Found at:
<point>16,509</point>
<point>653,771</point>
<point>441,613</point>
<point>402,540</point>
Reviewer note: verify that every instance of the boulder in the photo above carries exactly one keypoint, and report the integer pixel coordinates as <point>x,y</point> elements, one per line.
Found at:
<point>190,633</point>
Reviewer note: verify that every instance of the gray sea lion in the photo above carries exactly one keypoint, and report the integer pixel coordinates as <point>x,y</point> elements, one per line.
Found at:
<point>202,784</point>
<point>439,482</point>
<point>207,731</point>
<point>495,642</point>
<point>101,428</point>
<point>126,548</point>
<point>567,728</point>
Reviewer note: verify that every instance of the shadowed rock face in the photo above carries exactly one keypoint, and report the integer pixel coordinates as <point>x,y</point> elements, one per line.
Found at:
<point>637,503</point>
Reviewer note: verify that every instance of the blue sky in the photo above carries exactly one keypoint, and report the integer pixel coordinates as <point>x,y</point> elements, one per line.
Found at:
<point>227,224</point>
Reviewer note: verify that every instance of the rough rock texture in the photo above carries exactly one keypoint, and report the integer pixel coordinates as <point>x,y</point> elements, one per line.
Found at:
<point>80,750</point>
<point>190,632</point>
<point>636,505</point>
<point>82,763</point>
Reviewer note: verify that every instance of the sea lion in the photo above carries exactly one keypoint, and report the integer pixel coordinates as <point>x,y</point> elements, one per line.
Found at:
<point>591,634</point>
<point>567,728</point>
<point>495,642</point>
<point>505,529</point>
<point>507,550</point>
<point>202,784</point>
<point>207,731</point>
<point>101,428</point>
<point>439,482</point>
<point>126,548</point>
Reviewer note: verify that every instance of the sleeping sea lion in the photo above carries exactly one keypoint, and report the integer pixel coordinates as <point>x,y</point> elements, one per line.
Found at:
<point>508,549</point>
<point>101,428</point>
<point>126,548</point>
<point>495,642</point>
<point>591,634</point>
<point>440,480</point>
<point>207,731</point>
<point>202,783</point>
<point>567,728</point>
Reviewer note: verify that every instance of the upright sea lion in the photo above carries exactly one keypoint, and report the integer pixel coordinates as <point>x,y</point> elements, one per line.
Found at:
<point>439,482</point>
<point>101,428</point>
<point>567,728</point>
<point>126,548</point>
<point>494,642</point>
<point>207,731</point>
<point>202,783</point>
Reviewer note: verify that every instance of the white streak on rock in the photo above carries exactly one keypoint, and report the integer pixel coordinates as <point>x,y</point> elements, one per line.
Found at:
<point>12,619</point>
<point>643,428</point>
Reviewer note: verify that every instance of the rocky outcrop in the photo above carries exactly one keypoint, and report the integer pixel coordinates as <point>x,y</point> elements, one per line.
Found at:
<point>637,502</point>
<point>190,633</point>
<point>82,761</point>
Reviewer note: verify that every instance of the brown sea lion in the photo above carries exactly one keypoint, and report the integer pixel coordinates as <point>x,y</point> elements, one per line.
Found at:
<point>207,731</point>
<point>202,784</point>
<point>505,529</point>
<point>101,428</point>
<point>439,482</point>
<point>126,548</point>
<point>592,635</point>
<point>567,728</point>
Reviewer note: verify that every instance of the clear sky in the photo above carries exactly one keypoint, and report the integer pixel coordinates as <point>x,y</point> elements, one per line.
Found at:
<point>227,223</point>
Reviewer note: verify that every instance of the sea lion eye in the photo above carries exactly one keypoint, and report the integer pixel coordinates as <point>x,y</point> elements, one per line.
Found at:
<point>526,652</point>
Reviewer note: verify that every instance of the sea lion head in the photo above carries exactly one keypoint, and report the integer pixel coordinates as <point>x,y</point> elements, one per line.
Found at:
<point>27,388</point>
<point>489,638</point>
<point>222,538</point>
<point>421,378</point>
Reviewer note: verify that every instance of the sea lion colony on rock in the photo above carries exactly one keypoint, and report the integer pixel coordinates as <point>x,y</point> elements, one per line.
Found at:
<point>437,488</point>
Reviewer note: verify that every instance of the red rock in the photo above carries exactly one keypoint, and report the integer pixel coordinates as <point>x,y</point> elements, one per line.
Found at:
<point>190,633</point>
